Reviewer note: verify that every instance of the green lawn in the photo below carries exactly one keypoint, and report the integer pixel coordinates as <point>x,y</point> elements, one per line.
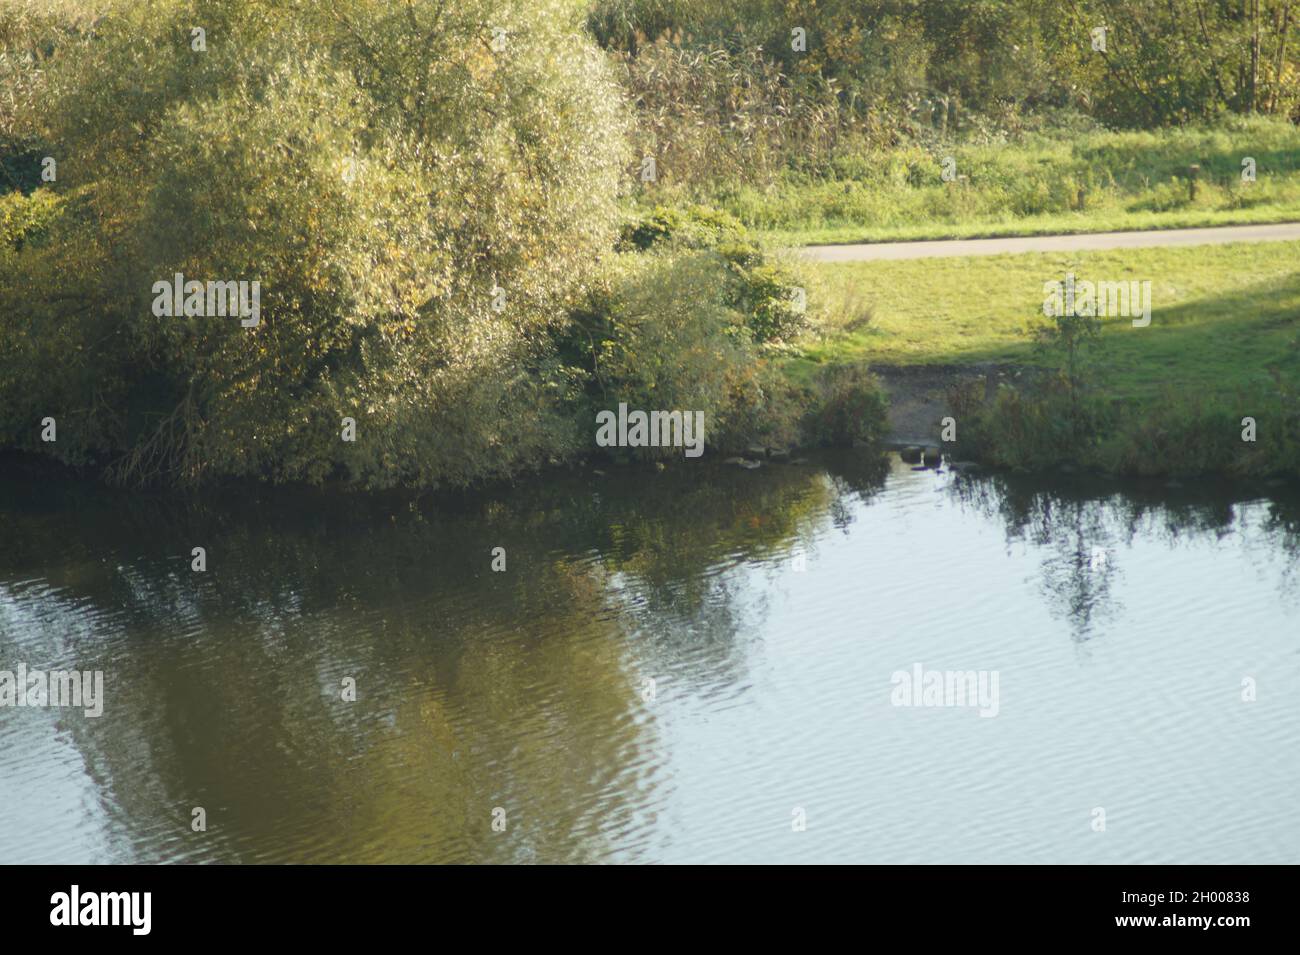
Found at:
<point>1041,183</point>
<point>1220,314</point>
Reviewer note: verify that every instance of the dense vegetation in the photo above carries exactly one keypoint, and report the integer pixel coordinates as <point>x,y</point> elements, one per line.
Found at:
<point>892,63</point>
<point>460,243</point>
<point>433,216</point>
<point>294,151</point>
<point>729,87</point>
<point>844,139</point>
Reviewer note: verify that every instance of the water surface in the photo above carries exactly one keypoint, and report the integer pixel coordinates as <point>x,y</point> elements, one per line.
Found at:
<point>770,609</point>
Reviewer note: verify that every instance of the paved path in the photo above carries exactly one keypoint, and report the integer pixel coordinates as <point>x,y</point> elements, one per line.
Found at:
<point>870,251</point>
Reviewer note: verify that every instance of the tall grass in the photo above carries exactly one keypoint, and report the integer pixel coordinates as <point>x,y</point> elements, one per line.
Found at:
<point>1063,180</point>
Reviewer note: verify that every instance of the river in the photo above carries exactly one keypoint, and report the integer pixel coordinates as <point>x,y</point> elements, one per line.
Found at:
<point>698,665</point>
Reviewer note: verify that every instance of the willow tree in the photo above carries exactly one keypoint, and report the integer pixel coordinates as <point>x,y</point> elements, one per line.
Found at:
<point>419,188</point>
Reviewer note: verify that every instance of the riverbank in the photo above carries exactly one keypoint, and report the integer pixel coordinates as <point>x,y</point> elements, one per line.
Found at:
<point>954,337</point>
<point>1006,417</point>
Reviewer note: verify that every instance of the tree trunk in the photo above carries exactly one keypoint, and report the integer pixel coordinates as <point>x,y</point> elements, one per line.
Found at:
<point>1281,57</point>
<point>1254,55</point>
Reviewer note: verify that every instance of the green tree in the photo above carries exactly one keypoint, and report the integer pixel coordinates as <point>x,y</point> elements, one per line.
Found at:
<point>420,189</point>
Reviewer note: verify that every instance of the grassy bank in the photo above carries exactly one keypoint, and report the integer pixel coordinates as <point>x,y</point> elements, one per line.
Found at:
<point>1061,181</point>
<point>1220,314</point>
<point>1223,344</point>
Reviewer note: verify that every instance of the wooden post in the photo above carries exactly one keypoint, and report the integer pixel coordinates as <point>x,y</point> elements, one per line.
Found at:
<point>1193,172</point>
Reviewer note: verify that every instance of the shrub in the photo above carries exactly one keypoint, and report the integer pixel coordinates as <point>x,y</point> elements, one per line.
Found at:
<point>380,170</point>
<point>690,226</point>
<point>1026,429</point>
<point>766,293</point>
<point>848,407</point>
<point>1176,434</point>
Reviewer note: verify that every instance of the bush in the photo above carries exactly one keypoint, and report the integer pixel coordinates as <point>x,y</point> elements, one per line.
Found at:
<point>690,227</point>
<point>381,172</point>
<point>848,407</point>
<point>768,295</point>
<point>1177,434</point>
<point>1028,429</point>
<point>660,333</point>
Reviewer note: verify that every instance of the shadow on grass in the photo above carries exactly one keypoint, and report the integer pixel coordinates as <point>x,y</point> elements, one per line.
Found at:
<point>1221,344</point>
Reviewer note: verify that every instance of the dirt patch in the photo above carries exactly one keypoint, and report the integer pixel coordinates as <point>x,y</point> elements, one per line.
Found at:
<point>918,394</point>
